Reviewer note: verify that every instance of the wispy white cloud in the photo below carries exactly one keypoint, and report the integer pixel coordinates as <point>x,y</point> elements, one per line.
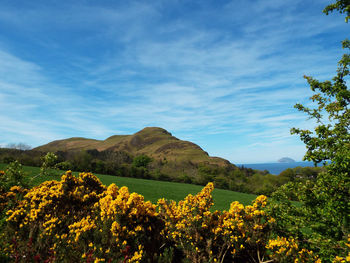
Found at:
<point>231,70</point>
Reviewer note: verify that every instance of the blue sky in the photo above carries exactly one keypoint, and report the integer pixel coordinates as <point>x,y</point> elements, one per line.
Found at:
<point>222,74</point>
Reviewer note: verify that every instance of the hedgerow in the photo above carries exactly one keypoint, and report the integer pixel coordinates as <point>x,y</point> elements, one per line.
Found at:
<point>77,219</point>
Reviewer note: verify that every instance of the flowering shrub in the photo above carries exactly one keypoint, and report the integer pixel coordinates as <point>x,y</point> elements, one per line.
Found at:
<point>132,226</point>
<point>12,197</point>
<point>80,220</point>
<point>12,190</point>
<point>240,233</point>
<point>347,257</point>
<point>40,223</point>
<point>286,250</point>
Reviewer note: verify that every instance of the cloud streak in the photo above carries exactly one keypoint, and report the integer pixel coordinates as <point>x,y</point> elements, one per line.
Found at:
<point>225,76</point>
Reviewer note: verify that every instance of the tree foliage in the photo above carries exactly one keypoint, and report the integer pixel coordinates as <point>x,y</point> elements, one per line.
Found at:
<point>12,176</point>
<point>343,6</point>
<point>332,114</point>
<point>141,161</point>
<point>49,163</point>
<point>323,218</point>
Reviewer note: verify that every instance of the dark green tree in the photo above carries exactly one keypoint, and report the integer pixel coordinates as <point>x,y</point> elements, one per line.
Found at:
<point>141,161</point>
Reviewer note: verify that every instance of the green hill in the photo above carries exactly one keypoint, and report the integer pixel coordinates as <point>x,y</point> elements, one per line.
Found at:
<point>152,153</point>
<point>169,154</point>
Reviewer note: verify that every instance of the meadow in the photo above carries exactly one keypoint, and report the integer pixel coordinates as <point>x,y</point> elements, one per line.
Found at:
<point>152,190</point>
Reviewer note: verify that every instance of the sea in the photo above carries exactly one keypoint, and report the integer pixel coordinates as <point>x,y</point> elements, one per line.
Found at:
<point>276,168</point>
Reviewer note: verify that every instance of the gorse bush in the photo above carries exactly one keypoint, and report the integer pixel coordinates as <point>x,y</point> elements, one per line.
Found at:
<point>205,236</point>
<point>78,219</point>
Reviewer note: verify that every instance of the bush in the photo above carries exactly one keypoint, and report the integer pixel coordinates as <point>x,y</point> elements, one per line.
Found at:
<point>48,166</point>
<point>66,165</point>
<point>141,161</point>
<point>13,176</point>
<point>80,219</point>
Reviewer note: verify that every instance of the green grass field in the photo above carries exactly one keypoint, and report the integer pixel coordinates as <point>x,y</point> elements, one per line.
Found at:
<point>153,190</point>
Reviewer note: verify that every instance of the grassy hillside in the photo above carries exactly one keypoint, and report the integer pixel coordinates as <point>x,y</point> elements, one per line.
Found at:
<point>153,190</point>
<point>172,159</point>
<point>152,141</point>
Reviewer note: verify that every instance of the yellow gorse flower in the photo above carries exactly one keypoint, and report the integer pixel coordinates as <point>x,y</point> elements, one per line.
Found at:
<point>110,223</point>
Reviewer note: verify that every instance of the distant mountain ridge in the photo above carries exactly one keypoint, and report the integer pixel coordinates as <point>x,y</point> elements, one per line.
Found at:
<point>155,142</point>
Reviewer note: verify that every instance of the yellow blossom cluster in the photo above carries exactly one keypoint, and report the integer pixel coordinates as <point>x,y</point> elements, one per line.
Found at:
<point>346,258</point>
<point>282,245</point>
<point>130,221</point>
<point>55,214</point>
<point>287,250</point>
<point>81,219</point>
<point>191,225</point>
<point>82,226</point>
<point>11,198</point>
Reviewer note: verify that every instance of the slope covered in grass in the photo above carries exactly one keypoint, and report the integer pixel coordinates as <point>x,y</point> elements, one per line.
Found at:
<point>153,190</point>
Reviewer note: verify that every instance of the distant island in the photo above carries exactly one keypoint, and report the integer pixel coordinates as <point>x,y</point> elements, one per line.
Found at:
<point>286,160</point>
